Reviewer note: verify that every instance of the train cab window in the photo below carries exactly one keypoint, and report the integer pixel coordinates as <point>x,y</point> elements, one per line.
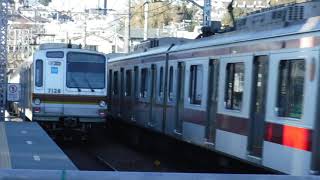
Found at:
<point>128,82</point>
<point>171,83</point>
<point>290,88</point>
<point>39,73</point>
<point>115,83</point>
<point>144,83</point>
<point>234,86</point>
<point>195,87</point>
<point>161,83</point>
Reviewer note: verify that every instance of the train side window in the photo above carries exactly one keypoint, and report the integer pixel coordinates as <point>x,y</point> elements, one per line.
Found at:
<point>144,83</point>
<point>115,83</point>
<point>39,73</point>
<point>128,82</point>
<point>161,83</point>
<point>290,88</point>
<point>171,83</point>
<point>234,86</point>
<point>195,87</point>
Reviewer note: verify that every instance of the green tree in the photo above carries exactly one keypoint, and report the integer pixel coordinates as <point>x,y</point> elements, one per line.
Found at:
<point>44,2</point>
<point>237,12</point>
<point>161,13</point>
<point>278,2</point>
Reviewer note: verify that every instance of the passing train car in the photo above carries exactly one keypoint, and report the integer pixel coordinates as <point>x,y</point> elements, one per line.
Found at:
<point>252,93</point>
<point>65,88</point>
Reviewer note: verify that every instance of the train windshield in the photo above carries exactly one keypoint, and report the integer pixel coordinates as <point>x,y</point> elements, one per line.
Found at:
<point>85,70</point>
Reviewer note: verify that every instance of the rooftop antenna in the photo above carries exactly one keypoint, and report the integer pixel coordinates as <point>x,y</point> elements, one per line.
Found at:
<point>230,11</point>
<point>69,44</point>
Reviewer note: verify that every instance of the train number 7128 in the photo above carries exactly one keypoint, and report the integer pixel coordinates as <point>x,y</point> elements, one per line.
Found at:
<point>54,91</point>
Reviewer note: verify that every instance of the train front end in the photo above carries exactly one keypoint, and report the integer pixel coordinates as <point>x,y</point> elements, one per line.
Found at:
<point>69,90</point>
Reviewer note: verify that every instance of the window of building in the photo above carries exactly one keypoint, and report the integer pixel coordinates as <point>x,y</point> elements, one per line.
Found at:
<point>161,83</point>
<point>291,88</point>
<point>195,87</point>
<point>115,83</point>
<point>234,86</point>
<point>128,82</point>
<point>171,83</point>
<point>144,83</point>
<point>39,73</point>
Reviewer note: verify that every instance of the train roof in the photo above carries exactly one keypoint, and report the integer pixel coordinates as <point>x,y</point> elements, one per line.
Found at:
<point>69,49</point>
<point>153,51</point>
<point>309,26</point>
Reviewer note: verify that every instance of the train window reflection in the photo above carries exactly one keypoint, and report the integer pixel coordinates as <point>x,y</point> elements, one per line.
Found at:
<point>39,73</point>
<point>144,83</point>
<point>195,87</point>
<point>234,86</point>
<point>128,82</point>
<point>171,83</point>
<point>290,88</point>
<point>86,70</point>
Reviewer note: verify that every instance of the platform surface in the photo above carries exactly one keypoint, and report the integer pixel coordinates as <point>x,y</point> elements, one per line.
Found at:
<point>25,145</point>
<point>111,175</point>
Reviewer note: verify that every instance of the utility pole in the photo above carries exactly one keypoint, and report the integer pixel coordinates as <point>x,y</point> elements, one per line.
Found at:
<point>128,28</point>
<point>145,28</point>
<point>206,8</point>
<point>85,32</point>
<point>3,56</point>
<point>105,7</point>
<point>207,13</point>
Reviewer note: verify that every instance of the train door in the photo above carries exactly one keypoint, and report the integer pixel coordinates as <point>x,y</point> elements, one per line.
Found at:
<point>143,105</point>
<point>53,84</point>
<point>257,119</point>
<point>109,95</point>
<point>135,99</point>
<point>115,93</point>
<point>158,110</point>
<point>152,100</point>
<point>212,102</point>
<point>170,85</point>
<point>122,109</point>
<point>128,96</point>
<point>179,98</point>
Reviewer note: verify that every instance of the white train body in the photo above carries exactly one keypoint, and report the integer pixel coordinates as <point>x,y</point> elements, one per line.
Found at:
<point>65,87</point>
<point>252,93</point>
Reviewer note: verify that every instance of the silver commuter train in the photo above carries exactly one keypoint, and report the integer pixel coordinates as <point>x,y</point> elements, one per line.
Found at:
<point>65,88</point>
<point>252,93</point>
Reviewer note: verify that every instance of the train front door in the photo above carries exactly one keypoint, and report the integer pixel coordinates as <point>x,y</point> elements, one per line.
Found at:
<point>258,107</point>
<point>53,84</point>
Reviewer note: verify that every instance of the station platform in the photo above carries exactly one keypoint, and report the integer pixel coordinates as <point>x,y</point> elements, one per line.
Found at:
<point>111,175</point>
<point>25,145</point>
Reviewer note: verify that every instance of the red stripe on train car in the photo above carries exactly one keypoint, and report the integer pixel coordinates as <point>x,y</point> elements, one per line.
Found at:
<point>290,136</point>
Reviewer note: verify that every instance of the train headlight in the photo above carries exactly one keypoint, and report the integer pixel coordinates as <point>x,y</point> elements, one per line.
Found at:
<point>102,104</point>
<point>37,101</point>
